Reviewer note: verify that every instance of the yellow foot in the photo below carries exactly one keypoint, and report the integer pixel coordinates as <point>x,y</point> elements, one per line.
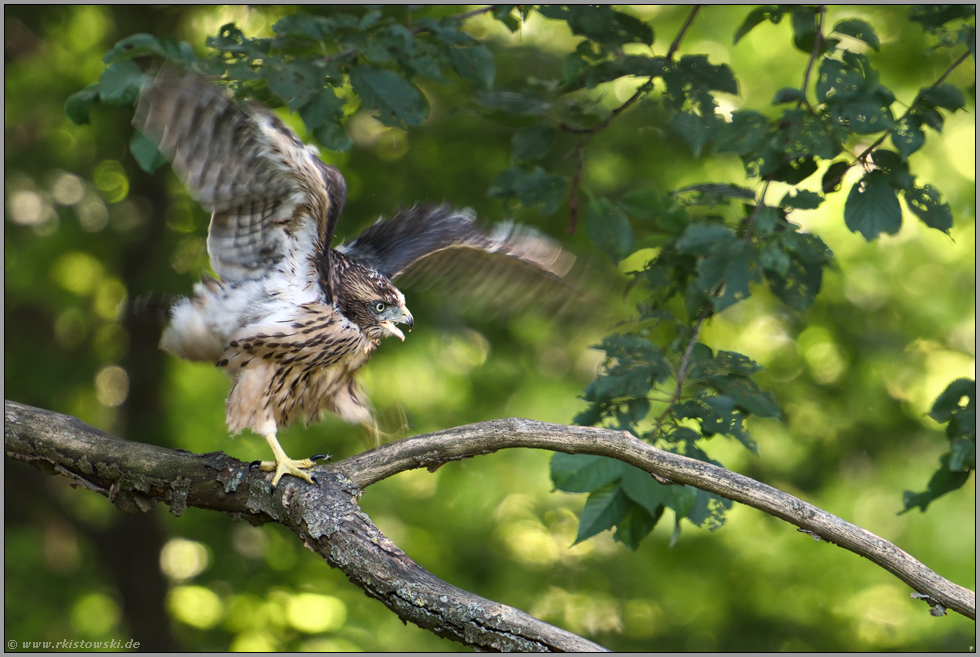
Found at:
<point>288,466</point>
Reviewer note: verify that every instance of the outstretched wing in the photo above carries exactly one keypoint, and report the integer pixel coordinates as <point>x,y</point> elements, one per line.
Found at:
<point>439,244</point>
<point>270,196</point>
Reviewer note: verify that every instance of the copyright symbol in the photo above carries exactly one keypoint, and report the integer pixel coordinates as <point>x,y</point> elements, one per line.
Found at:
<point>11,644</point>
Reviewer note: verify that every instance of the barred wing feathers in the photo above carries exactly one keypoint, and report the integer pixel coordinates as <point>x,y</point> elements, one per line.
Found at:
<point>506,267</point>
<point>271,197</point>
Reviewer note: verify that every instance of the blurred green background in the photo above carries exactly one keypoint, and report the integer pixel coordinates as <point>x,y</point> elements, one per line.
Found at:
<point>855,375</point>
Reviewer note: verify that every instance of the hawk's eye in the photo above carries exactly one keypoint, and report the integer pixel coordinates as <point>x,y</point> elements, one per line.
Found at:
<point>379,307</point>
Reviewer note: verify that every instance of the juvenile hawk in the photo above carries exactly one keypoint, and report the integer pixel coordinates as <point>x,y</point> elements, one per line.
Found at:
<point>291,319</point>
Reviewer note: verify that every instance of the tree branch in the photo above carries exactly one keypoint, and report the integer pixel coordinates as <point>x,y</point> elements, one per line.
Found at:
<point>327,519</point>
<point>135,476</point>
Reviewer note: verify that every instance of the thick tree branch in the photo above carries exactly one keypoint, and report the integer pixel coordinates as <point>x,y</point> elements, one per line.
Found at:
<point>327,518</point>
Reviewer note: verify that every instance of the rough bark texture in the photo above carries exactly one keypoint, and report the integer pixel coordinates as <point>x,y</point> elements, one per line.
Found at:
<point>327,519</point>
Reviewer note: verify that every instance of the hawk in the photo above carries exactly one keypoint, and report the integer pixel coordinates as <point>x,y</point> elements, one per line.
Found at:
<point>289,318</point>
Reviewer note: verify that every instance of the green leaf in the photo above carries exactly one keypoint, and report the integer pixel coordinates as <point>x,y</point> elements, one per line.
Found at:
<point>727,272</point>
<point>927,204</point>
<point>666,212</point>
<point>788,95</point>
<point>396,100</point>
<point>584,473</point>
<point>119,84</point>
<point>474,63</point>
<point>145,152</point>
<point>79,105</point>
<point>696,130</point>
<point>133,46</point>
<point>702,237</point>
<point>959,395</point>
<point>609,228</point>
<point>747,395</point>
<point>745,134</point>
<point>698,71</point>
<point>635,525</point>
<point>860,30</point>
<point>755,17</point>
<point>932,17</point>
<point>895,168</point>
<point>837,80</point>
<point>708,510</point>
<point>833,176</point>
<point>872,207</point>
<point>333,136</point>
<point>531,188</point>
<point>510,102</point>
<point>713,193</point>
<point>804,28</point>
<point>801,199</point>
<point>908,136</point>
<point>601,23</point>
<point>322,108</point>
<point>295,83</point>
<point>532,143</point>
<point>944,95</point>
<point>604,508</point>
<point>642,488</point>
<point>943,481</point>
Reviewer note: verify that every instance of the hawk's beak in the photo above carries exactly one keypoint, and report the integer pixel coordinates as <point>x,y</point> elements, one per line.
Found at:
<point>404,317</point>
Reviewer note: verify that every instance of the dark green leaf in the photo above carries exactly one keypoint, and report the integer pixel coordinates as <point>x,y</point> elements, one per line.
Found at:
<point>833,177</point>
<point>604,508</point>
<point>804,28</point>
<point>530,188</point>
<point>837,80</point>
<point>324,107</point>
<point>709,510</point>
<point>333,136</point>
<point>474,63</point>
<point>396,100</point>
<point>801,199</point>
<point>747,395</point>
<point>532,143</point>
<point>512,103</point>
<point>727,271</point>
<point>696,130</point>
<point>932,17</point>
<point>601,24</point>
<point>584,473</point>
<point>858,29</point>
<point>944,95</point>
<point>135,45</point>
<point>609,228</point>
<point>927,204</point>
<point>298,24</point>
<point>872,207</point>
<point>666,212</point>
<point>715,191</point>
<point>908,136</point>
<point>703,237</point>
<point>119,84</point>
<point>643,489</point>
<point>795,171</point>
<point>745,134</point>
<point>79,105</point>
<point>698,71</point>
<point>788,95</point>
<point>959,395</point>
<point>755,17</point>
<point>295,82</point>
<point>895,168</point>
<point>145,152</point>
<point>943,481</point>
<point>635,525</point>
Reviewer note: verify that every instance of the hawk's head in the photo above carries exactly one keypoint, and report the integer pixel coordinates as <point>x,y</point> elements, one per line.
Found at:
<point>371,301</point>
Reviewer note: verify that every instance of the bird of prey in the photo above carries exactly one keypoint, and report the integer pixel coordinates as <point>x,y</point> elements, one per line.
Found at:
<point>289,318</point>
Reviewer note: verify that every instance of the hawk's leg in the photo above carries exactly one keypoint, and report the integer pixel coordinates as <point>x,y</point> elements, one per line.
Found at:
<point>283,464</point>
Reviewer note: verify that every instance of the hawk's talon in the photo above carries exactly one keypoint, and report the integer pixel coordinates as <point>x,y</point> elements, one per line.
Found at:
<point>253,465</point>
<point>288,466</point>
<point>320,457</point>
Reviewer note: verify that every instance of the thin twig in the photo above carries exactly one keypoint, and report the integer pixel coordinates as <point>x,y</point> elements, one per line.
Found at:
<point>682,371</point>
<point>814,53</point>
<point>867,151</point>
<point>415,30</point>
<point>680,35</point>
